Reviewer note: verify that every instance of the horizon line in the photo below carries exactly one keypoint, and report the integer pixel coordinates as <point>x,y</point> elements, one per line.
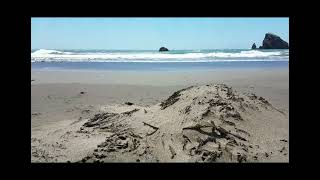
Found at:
<point>137,49</point>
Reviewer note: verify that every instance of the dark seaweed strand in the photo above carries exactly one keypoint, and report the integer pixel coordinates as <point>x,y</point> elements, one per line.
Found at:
<point>173,98</point>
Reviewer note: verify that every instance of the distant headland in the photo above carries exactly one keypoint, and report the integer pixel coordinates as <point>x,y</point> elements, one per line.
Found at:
<point>272,41</point>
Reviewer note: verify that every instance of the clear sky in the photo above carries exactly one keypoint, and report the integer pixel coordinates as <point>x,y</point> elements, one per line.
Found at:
<point>152,33</point>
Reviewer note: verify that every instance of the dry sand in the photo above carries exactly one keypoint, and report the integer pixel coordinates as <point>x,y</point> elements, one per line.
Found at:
<point>65,103</point>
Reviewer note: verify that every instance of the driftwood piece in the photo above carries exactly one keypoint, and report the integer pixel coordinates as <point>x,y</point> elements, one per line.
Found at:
<point>129,113</point>
<point>173,153</point>
<point>135,135</point>
<point>229,123</point>
<point>153,127</point>
<point>150,125</point>
<point>149,134</point>
<point>239,137</point>
<point>196,127</point>
<point>242,131</point>
<point>223,133</point>
<point>185,141</point>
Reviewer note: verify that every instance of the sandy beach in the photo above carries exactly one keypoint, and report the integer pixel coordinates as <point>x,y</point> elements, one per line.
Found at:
<point>160,90</point>
<point>82,116</point>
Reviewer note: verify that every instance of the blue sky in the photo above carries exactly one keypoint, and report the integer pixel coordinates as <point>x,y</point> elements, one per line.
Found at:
<point>152,33</point>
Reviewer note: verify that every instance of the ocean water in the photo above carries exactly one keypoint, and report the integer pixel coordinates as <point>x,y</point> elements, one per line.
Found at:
<point>59,59</point>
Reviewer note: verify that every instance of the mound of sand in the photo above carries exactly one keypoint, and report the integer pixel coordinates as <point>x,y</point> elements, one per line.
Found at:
<point>210,123</point>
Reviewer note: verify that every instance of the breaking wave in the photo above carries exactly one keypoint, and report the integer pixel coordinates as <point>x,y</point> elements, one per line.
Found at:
<point>154,56</point>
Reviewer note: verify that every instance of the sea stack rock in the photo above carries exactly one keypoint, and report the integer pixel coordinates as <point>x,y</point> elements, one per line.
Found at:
<point>163,49</point>
<point>254,46</point>
<point>272,41</point>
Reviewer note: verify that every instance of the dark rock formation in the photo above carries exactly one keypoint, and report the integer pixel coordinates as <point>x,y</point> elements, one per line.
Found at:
<point>128,103</point>
<point>254,46</point>
<point>272,41</point>
<point>163,49</point>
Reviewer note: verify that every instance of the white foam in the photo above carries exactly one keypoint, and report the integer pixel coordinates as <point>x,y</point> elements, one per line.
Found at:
<point>166,61</point>
<point>53,55</point>
<point>45,52</point>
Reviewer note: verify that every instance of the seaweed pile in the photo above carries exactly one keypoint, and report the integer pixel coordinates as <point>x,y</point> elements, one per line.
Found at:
<point>208,123</point>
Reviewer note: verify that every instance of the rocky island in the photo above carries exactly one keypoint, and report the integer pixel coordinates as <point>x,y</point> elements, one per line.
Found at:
<point>272,41</point>
<point>163,49</point>
<point>254,46</point>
